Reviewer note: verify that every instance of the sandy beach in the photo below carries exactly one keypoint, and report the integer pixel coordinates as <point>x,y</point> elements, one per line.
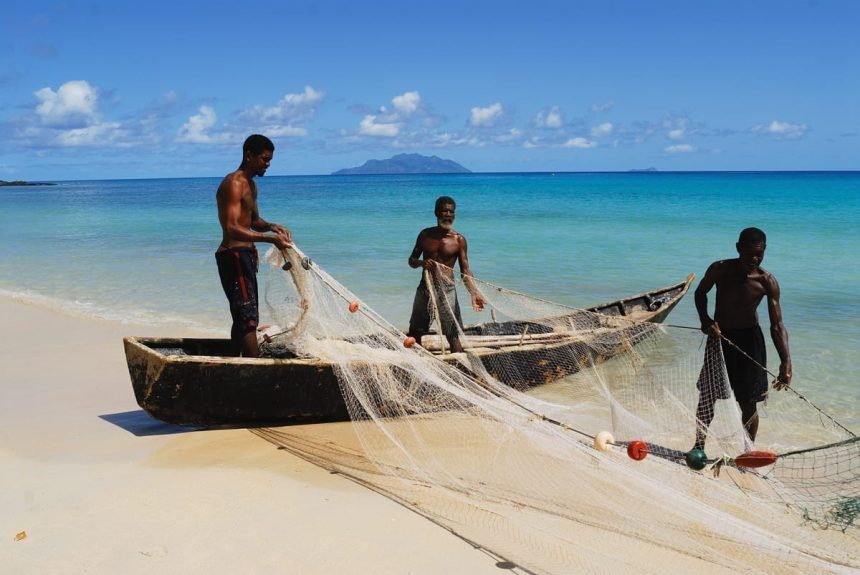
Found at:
<point>89,483</point>
<point>94,485</point>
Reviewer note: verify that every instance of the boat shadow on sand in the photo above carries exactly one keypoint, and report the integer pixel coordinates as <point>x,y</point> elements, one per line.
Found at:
<point>141,424</point>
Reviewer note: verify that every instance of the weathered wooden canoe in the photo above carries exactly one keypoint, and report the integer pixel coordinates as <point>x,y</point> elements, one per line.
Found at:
<point>189,381</point>
<point>526,354</point>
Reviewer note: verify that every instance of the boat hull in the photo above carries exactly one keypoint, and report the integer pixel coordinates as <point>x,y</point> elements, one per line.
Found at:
<point>529,363</point>
<point>180,381</point>
<point>195,382</point>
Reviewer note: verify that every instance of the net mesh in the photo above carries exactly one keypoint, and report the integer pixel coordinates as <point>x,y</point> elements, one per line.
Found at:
<point>519,443</point>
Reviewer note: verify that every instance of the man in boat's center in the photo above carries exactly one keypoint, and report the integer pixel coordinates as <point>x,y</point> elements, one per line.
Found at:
<point>441,245</point>
<point>741,284</point>
<point>241,226</point>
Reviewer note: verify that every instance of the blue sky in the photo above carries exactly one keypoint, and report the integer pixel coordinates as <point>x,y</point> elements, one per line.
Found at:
<point>94,90</point>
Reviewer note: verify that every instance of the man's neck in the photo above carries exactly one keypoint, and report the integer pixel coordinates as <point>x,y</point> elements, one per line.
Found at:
<point>247,172</point>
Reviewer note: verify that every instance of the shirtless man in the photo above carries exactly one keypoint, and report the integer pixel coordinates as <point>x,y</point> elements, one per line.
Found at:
<point>443,245</point>
<point>741,285</point>
<point>241,226</point>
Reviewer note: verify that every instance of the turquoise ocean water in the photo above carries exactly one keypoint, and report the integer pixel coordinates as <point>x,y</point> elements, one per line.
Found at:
<point>142,250</point>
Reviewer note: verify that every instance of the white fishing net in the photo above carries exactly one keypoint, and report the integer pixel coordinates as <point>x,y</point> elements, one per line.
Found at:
<point>503,444</point>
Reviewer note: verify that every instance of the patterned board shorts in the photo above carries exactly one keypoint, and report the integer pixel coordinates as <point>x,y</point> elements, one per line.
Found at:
<point>237,268</point>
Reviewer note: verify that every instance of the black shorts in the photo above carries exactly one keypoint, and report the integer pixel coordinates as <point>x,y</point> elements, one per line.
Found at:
<point>237,268</point>
<point>748,379</point>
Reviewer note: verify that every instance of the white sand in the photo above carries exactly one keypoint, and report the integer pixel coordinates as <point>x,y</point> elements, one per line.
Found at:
<point>93,497</point>
<point>99,487</point>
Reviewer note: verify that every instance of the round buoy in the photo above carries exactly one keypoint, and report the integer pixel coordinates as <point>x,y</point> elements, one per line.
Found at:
<point>755,459</point>
<point>353,306</point>
<point>696,459</point>
<point>409,341</point>
<point>603,441</point>
<point>637,450</point>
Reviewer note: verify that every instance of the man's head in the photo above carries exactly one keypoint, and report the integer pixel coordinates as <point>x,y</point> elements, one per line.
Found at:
<point>752,236</point>
<point>257,153</point>
<point>445,211</point>
<point>751,245</point>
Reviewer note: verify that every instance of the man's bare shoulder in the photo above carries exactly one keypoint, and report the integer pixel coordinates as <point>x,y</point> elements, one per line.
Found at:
<point>721,267</point>
<point>767,278</point>
<point>234,182</point>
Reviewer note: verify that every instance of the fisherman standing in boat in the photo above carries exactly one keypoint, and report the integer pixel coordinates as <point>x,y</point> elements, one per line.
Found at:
<point>241,226</point>
<point>441,245</point>
<point>741,285</point>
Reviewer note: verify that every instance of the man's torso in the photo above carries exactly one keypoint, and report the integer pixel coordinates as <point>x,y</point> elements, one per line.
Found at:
<point>739,295</point>
<point>442,246</point>
<point>248,207</point>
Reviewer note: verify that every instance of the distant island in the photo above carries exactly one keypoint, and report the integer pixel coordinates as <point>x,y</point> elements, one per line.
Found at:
<point>644,170</point>
<point>23,183</point>
<point>406,164</point>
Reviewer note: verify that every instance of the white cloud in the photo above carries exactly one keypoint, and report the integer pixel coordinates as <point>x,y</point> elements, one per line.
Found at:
<point>677,127</point>
<point>307,98</point>
<point>578,143</point>
<point>486,117</point>
<point>549,119</point>
<point>291,109</point>
<point>72,105</point>
<point>602,130</point>
<point>392,123</point>
<point>285,131</point>
<point>282,120</point>
<point>370,127</point>
<point>68,117</point>
<point>97,134</point>
<point>598,108</point>
<point>196,129</point>
<point>782,129</point>
<point>440,140</point>
<point>510,135</point>
<point>406,103</point>
<point>680,149</point>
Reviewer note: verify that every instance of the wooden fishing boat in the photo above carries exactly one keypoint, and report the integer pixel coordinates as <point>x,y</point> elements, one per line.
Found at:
<point>190,381</point>
<point>525,354</point>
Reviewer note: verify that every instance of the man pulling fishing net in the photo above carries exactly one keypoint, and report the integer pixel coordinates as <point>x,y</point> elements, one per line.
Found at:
<point>441,244</point>
<point>741,285</point>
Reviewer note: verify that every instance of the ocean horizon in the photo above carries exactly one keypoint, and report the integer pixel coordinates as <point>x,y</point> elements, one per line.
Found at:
<point>636,171</point>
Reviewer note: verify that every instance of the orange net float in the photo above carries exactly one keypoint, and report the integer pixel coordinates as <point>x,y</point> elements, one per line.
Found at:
<point>409,341</point>
<point>754,459</point>
<point>353,306</point>
<point>637,450</point>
